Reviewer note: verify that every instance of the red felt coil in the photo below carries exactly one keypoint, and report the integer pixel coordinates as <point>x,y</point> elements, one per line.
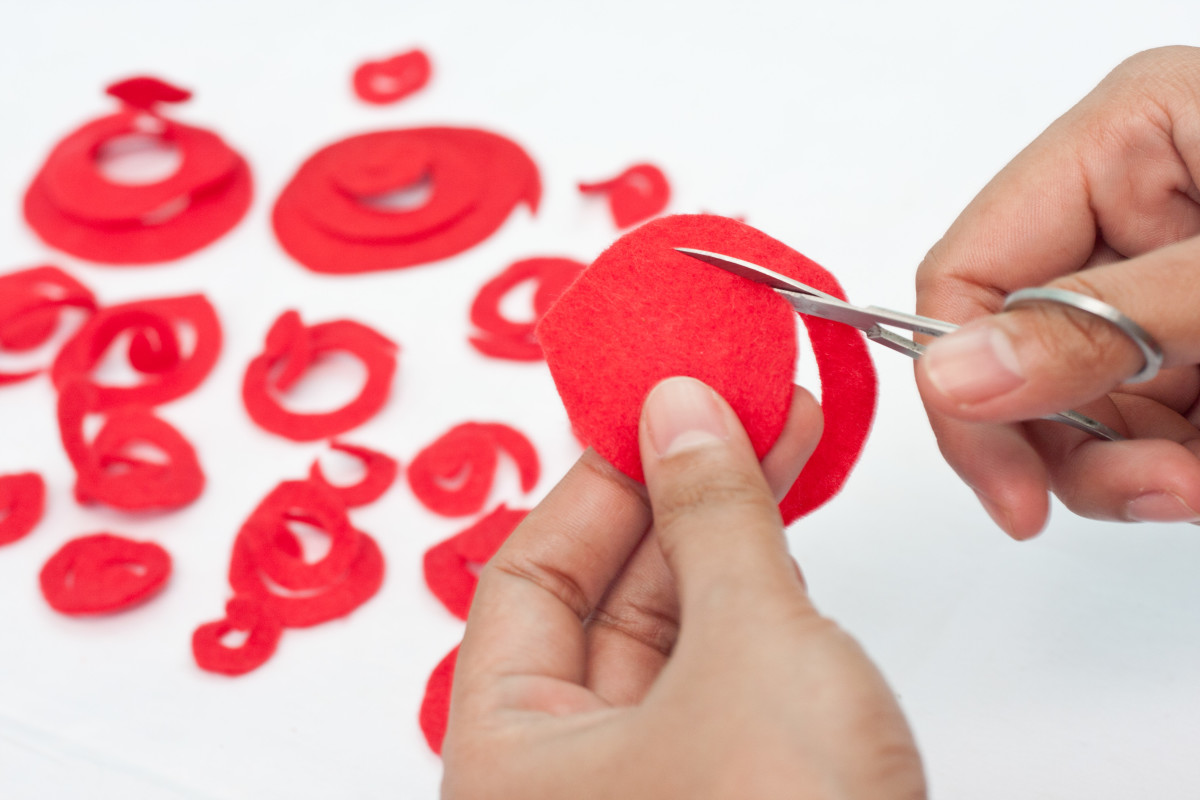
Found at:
<point>634,196</point>
<point>453,475</point>
<point>500,337</point>
<point>449,565</point>
<point>435,705</point>
<point>392,79</point>
<point>102,573</point>
<point>262,625</point>
<point>381,472</point>
<point>22,502</point>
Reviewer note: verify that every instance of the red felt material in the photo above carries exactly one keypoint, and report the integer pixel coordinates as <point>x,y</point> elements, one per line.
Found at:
<point>450,565</point>
<point>332,215</point>
<point>22,502</point>
<point>381,472</point>
<point>263,626</point>
<point>290,349</point>
<point>154,350</point>
<point>501,337</point>
<point>102,572</point>
<point>643,312</point>
<point>30,303</point>
<point>634,196</point>
<point>435,705</point>
<point>73,207</point>
<point>392,79</point>
<point>453,475</point>
<point>107,469</point>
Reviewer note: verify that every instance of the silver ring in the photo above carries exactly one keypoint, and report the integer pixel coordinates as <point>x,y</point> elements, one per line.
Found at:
<point>1151,350</point>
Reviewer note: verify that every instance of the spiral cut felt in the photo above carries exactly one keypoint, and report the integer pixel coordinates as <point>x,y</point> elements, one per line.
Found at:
<point>22,503</point>
<point>392,79</point>
<point>450,565</point>
<point>381,472</point>
<point>503,338</point>
<point>435,705</point>
<point>634,196</point>
<point>453,476</point>
<point>31,303</point>
<point>103,572</point>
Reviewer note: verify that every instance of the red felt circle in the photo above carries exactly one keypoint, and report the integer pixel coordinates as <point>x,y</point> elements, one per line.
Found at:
<point>22,501</point>
<point>264,627</point>
<point>501,337</point>
<point>392,79</point>
<point>447,564</point>
<point>453,475</point>
<point>102,572</point>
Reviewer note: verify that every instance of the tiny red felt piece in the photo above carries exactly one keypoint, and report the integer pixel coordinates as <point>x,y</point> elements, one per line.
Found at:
<point>634,196</point>
<point>453,475</point>
<point>450,566</point>
<point>103,572</point>
<point>262,625</point>
<point>501,337</point>
<point>435,705</point>
<point>73,207</point>
<point>154,349</point>
<point>644,312</point>
<point>389,80</point>
<point>381,472</point>
<point>290,349</point>
<point>22,501</point>
<point>30,304</point>
<point>398,198</point>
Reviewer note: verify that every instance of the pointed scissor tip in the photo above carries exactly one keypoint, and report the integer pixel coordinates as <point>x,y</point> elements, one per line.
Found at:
<point>753,272</point>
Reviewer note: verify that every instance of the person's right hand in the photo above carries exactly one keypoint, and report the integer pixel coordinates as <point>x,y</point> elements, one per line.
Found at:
<point>1104,203</point>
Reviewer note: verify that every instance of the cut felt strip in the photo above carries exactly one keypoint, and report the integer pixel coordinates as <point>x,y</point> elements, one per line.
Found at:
<point>102,572</point>
<point>643,312</point>
<point>392,79</point>
<point>73,207</point>
<point>109,469</point>
<point>22,502</point>
<point>31,301</point>
<point>154,349</point>
<point>381,472</point>
<point>634,196</point>
<point>451,566</point>
<point>504,338</point>
<point>435,705</point>
<point>262,625</point>
<point>453,476</point>
<point>398,198</point>
<point>290,349</point>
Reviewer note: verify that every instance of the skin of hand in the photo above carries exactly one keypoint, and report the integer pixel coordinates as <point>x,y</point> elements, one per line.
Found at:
<point>609,657</point>
<point>1104,203</point>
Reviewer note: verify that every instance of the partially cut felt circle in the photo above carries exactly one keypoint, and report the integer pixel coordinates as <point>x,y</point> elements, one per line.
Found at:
<point>22,501</point>
<point>262,625</point>
<point>435,705</point>
<point>380,472</point>
<point>450,565</point>
<point>453,475</point>
<point>103,572</point>
<point>501,337</point>
<point>643,312</point>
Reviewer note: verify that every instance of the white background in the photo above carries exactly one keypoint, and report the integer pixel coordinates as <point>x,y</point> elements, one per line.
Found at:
<point>1063,667</point>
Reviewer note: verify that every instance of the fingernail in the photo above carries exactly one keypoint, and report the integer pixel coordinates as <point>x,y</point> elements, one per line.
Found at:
<point>681,414</point>
<point>1160,507</point>
<point>973,365</point>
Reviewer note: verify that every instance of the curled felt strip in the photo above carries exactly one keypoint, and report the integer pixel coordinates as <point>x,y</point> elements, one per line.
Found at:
<point>381,471</point>
<point>30,304</point>
<point>643,312</point>
<point>435,705</point>
<point>450,566</point>
<point>358,205</point>
<point>154,349</point>
<point>453,475</point>
<point>102,572</point>
<point>290,349</point>
<point>22,502</point>
<point>392,79</point>
<point>501,337</point>
<point>73,207</point>
<point>263,629</point>
<point>108,469</point>
<point>634,196</point>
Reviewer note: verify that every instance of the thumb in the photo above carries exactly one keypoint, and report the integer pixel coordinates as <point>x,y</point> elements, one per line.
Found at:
<point>1046,357</point>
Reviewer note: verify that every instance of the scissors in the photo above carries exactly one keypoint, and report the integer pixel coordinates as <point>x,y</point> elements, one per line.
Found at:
<point>870,320</point>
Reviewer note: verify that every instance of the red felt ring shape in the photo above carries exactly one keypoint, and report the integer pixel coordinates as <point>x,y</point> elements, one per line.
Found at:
<point>503,338</point>
<point>643,312</point>
<point>22,503</point>
<point>103,572</point>
<point>31,301</point>
<point>264,629</point>
<point>291,348</point>
<point>358,205</point>
<point>154,350</point>
<point>634,196</point>
<point>448,564</point>
<point>453,475</point>
<point>435,705</point>
<point>381,472</point>
<point>392,79</point>
<point>73,207</point>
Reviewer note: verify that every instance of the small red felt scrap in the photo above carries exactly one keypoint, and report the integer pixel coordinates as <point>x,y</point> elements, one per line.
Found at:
<point>290,349</point>
<point>108,469</point>
<point>334,214</point>
<point>103,572</point>
<point>381,472</point>
<point>453,475</point>
<point>643,312</point>
<point>73,207</point>
<point>259,620</point>
<point>449,564</point>
<point>154,349</point>
<point>634,196</point>
<point>31,301</point>
<point>392,79</point>
<point>435,705</point>
<point>501,337</point>
<point>22,502</point>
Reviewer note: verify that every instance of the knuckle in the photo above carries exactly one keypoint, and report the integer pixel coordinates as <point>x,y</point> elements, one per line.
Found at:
<point>1078,341</point>
<point>641,622</point>
<point>545,577</point>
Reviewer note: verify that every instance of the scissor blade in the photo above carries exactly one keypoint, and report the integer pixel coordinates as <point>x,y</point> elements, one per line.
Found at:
<point>753,272</point>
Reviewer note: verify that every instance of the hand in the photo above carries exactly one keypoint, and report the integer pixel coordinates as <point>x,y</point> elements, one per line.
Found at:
<point>604,661</point>
<point>1104,203</point>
